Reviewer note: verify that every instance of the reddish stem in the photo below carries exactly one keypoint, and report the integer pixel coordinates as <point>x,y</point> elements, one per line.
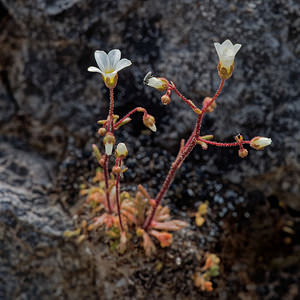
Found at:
<point>187,101</point>
<point>184,152</point>
<point>175,166</point>
<point>110,128</point>
<point>222,144</point>
<point>139,109</point>
<point>118,164</point>
<point>106,175</point>
<point>204,109</point>
<point>111,111</point>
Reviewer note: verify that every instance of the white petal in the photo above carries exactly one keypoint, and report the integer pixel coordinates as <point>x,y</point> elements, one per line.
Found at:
<point>114,56</point>
<point>154,82</point>
<point>102,60</point>
<point>121,149</point>
<point>111,75</point>
<point>153,127</point>
<point>94,69</point>
<point>227,44</point>
<point>263,142</point>
<point>123,63</point>
<point>236,48</point>
<point>108,148</point>
<point>218,49</point>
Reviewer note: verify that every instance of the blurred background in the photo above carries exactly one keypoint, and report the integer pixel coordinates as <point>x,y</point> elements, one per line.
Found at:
<point>49,106</point>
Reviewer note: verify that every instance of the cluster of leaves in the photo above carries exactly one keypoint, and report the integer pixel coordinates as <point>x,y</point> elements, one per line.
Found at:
<point>134,211</point>
<point>202,278</point>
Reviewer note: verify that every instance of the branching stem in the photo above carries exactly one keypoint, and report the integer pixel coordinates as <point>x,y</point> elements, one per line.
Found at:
<point>137,109</point>
<point>222,144</point>
<point>183,152</point>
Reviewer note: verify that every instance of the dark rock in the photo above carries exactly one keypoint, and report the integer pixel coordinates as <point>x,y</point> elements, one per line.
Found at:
<point>50,103</point>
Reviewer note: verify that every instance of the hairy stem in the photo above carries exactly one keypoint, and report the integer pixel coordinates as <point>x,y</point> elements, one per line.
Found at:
<point>118,163</point>
<point>137,109</point>
<point>106,176</point>
<point>187,101</point>
<point>222,144</point>
<point>111,111</point>
<point>184,152</point>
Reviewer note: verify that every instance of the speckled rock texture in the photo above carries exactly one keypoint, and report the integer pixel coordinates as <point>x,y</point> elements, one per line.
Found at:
<point>49,105</point>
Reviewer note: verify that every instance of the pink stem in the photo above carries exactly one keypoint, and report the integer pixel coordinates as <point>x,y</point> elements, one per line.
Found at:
<point>140,109</point>
<point>190,144</point>
<point>187,101</point>
<point>110,128</point>
<point>106,175</point>
<point>111,111</point>
<point>222,144</point>
<point>118,164</point>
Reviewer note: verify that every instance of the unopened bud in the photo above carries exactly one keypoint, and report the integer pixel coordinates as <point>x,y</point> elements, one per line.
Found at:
<point>207,137</point>
<point>121,150</point>
<point>152,202</point>
<point>109,141</point>
<point>101,162</point>
<point>243,153</point>
<point>202,144</point>
<point>127,120</point>
<point>116,170</point>
<point>102,131</point>
<point>260,143</point>
<point>165,99</point>
<point>160,84</point>
<point>149,122</point>
<point>211,107</point>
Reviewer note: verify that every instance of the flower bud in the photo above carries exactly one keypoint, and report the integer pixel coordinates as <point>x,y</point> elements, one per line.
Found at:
<point>102,131</point>
<point>165,99</point>
<point>149,122</point>
<point>243,152</point>
<point>259,142</point>
<point>101,162</point>
<point>210,108</point>
<point>109,141</point>
<point>161,84</point>
<point>116,170</point>
<point>121,150</point>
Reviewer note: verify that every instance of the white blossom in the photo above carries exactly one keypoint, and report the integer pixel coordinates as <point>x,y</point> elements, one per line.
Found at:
<point>109,148</point>
<point>226,52</point>
<point>160,84</point>
<point>260,143</point>
<point>109,65</point>
<point>121,150</point>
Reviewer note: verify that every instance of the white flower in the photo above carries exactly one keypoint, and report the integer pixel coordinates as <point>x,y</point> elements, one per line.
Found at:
<point>109,65</point>
<point>226,52</point>
<point>109,142</point>
<point>149,121</point>
<point>160,84</point>
<point>121,150</point>
<point>108,148</point>
<point>260,143</point>
<point>153,127</point>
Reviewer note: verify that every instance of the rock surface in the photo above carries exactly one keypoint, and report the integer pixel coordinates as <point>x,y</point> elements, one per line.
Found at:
<point>49,105</point>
